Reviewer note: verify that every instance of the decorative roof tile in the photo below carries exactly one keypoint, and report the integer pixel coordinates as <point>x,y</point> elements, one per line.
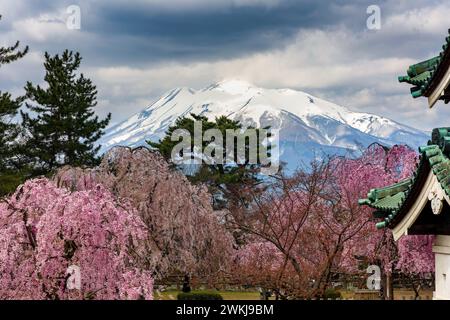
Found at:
<point>390,201</point>
<point>423,74</point>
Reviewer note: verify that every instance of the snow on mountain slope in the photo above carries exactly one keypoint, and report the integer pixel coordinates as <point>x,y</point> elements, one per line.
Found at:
<point>309,126</point>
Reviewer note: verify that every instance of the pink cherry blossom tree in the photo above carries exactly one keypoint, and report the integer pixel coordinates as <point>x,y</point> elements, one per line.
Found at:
<point>185,235</point>
<point>279,233</point>
<point>259,264</point>
<point>416,260</point>
<point>57,244</point>
<point>379,167</point>
<point>313,223</point>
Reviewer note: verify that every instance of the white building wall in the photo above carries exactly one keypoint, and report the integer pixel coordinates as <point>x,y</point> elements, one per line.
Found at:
<point>441,250</point>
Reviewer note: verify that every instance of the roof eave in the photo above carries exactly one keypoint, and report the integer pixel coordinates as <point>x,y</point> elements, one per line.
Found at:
<point>438,87</point>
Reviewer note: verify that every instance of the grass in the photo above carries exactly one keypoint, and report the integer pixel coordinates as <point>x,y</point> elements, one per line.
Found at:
<point>399,294</point>
<point>227,295</point>
<point>231,295</point>
<point>245,295</point>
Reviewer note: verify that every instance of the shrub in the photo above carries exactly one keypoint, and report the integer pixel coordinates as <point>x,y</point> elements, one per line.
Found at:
<point>199,295</point>
<point>332,294</point>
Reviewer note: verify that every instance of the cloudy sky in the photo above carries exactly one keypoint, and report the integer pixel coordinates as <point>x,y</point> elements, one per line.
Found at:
<point>136,50</point>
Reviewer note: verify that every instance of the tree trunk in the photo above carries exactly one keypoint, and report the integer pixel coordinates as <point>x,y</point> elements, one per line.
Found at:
<point>389,287</point>
<point>383,286</point>
<point>186,284</point>
<point>416,287</point>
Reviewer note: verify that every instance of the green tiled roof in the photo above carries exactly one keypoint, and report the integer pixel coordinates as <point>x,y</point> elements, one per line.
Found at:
<point>391,202</point>
<point>422,75</point>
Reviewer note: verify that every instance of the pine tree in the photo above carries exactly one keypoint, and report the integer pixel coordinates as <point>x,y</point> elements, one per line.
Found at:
<point>12,53</point>
<point>10,176</point>
<point>229,184</point>
<point>8,129</point>
<point>62,127</point>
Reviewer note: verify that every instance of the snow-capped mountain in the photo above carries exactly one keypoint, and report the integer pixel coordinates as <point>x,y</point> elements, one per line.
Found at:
<point>309,126</point>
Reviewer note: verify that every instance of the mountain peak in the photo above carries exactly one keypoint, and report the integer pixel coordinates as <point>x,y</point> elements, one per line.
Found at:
<point>232,86</point>
<point>307,125</point>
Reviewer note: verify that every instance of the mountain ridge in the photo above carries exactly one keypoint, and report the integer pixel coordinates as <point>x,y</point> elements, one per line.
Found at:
<point>305,122</point>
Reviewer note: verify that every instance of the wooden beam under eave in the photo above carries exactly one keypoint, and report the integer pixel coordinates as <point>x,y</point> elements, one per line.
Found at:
<point>433,99</point>
<point>440,89</point>
<point>416,208</point>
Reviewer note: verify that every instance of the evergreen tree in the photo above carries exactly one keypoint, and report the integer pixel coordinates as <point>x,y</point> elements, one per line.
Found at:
<point>10,175</point>
<point>229,184</point>
<point>12,53</point>
<point>9,130</point>
<point>62,127</point>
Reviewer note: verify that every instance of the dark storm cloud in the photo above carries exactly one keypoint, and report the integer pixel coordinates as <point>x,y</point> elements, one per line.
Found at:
<point>154,31</point>
<point>151,33</point>
<point>136,50</point>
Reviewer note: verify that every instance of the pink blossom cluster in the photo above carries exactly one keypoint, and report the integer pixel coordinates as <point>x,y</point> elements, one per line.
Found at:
<point>313,227</point>
<point>185,234</point>
<point>378,168</point>
<point>44,230</point>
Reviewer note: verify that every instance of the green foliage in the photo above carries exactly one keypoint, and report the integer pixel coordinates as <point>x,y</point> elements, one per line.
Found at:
<point>332,294</point>
<point>9,130</point>
<point>10,179</point>
<point>12,53</point>
<point>226,182</point>
<point>199,295</point>
<point>10,176</point>
<point>63,127</point>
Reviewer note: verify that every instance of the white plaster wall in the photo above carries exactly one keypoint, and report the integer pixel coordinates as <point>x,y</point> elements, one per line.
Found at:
<point>441,249</point>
